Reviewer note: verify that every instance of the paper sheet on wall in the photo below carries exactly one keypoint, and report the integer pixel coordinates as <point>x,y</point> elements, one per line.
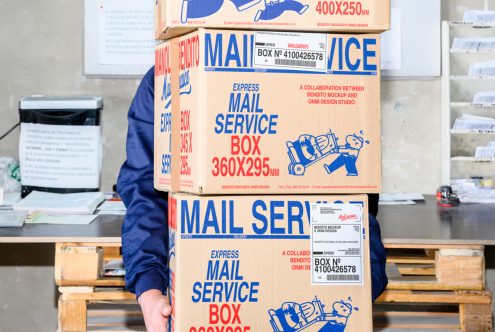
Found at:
<point>391,43</point>
<point>126,32</point>
<point>60,156</point>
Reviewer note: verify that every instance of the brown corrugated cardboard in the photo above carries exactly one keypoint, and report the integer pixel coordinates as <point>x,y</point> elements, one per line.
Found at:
<point>163,149</point>
<point>272,112</point>
<point>175,17</point>
<point>255,263</point>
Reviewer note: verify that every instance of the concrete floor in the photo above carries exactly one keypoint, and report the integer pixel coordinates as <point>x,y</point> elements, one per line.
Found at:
<point>28,295</point>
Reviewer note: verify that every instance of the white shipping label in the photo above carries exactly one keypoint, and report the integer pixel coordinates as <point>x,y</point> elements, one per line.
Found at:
<point>290,51</point>
<point>336,244</point>
<point>60,156</point>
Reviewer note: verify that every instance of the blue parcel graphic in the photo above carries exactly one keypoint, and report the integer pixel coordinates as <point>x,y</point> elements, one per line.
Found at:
<point>273,9</point>
<point>292,316</point>
<point>193,9</point>
<point>309,149</point>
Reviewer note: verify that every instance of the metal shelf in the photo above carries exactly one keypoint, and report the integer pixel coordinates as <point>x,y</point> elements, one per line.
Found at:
<point>471,160</point>
<point>471,52</point>
<point>471,78</point>
<point>471,105</point>
<point>473,25</point>
<point>471,132</point>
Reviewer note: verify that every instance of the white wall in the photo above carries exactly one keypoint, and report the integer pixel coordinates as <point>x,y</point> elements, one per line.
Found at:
<point>411,136</point>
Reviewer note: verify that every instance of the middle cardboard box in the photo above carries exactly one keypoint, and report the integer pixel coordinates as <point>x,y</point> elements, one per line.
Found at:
<point>240,112</point>
<point>269,263</point>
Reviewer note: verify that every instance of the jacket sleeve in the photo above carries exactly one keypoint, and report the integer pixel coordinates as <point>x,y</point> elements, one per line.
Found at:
<point>145,227</point>
<point>378,259</point>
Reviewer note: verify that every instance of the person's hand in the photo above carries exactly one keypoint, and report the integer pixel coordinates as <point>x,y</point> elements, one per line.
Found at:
<point>156,310</point>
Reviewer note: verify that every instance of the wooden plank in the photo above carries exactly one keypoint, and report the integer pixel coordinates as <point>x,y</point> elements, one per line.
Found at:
<point>414,314</point>
<point>461,272</point>
<point>396,245</point>
<point>416,326</point>
<point>107,281</point>
<point>113,251</point>
<point>111,257</point>
<point>114,313</point>
<point>79,249</point>
<point>406,296</point>
<point>428,283</point>
<point>99,296</point>
<point>76,289</point>
<point>410,260</point>
<point>114,324</point>
<point>58,266</point>
<point>476,317</point>
<point>83,243</point>
<point>416,269</point>
<point>71,315</point>
<point>461,252</point>
<point>132,301</point>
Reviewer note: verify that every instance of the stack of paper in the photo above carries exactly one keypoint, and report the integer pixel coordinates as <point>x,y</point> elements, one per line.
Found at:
<point>479,16</point>
<point>485,152</point>
<point>485,98</point>
<point>474,123</point>
<point>60,219</point>
<point>10,218</point>
<point>77,203</point>
<point>112,207</point>
<point>485,68</point>
<point>9,199</point>
<point>469,191</point>
<point>400,198</point>
<point>473,44</point>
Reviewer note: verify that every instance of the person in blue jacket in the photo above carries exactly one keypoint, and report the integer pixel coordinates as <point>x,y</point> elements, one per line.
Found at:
<point>145,227</point>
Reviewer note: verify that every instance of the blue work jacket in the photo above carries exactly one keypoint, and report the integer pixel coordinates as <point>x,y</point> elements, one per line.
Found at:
<point>145,227</point>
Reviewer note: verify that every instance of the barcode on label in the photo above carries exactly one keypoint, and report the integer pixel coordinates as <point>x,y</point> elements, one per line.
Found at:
<point>295,63</point>
<point>350,277</point>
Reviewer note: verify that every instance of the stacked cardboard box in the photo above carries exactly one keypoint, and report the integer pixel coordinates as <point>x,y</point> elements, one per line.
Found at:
<point>268,112</point>
<point>176,17</point>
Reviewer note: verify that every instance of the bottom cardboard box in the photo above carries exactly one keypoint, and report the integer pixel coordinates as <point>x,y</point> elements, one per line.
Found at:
<point>269,263</point>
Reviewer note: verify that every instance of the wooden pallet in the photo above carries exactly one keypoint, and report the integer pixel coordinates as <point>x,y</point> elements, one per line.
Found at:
<point>432,274</point>
<point>78,273</point>
<point>436,275</point>
<point>473,309</point>
<point>73,313</point>
<point>413,267</point>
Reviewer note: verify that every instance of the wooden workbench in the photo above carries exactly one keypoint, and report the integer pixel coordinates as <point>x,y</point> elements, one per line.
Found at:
<point>424,223</point>
<point>104,229</point>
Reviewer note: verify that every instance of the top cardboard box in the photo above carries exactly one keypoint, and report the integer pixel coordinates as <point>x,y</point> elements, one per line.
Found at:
<point>177,17</point>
